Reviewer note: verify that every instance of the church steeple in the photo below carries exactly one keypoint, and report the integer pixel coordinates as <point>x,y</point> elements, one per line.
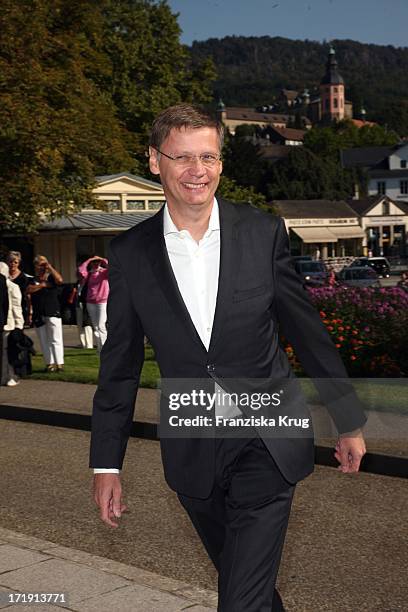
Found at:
<point>332,91</point>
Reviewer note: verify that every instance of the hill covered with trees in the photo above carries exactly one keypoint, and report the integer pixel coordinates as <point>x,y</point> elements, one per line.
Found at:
<point>252,71</point>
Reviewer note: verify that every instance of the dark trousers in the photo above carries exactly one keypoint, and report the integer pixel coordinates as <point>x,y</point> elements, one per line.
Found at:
<point>243,525</point>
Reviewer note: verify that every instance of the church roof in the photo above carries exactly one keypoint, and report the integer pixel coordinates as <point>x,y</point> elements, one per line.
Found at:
<point>332,76</point>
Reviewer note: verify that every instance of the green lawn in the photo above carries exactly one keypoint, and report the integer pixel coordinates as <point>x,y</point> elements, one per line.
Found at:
<point>376,394</point>
<point>81,366</point>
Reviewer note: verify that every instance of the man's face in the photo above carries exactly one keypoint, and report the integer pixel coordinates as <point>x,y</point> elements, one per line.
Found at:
<point>195,184</point>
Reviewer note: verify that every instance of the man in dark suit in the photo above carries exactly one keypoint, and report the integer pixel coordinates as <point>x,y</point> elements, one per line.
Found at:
<point>211,285</point>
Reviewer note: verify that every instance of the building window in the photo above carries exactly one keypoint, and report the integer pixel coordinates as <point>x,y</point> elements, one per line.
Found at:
<point>336,103</point>
<point>135,205</point>
<point>336,90</point>
<point>109,205</point>
<point>155,204</point>
<point>404,187</point>
<point>327,105</point>
<point>403,163</point>
<point>381,187</point>
<point>385,208</point>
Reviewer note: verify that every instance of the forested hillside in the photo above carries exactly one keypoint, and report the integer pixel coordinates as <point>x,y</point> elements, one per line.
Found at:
<point>252,70</point>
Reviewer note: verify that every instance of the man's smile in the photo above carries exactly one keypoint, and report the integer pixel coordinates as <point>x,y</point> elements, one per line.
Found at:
<point>194,186</point>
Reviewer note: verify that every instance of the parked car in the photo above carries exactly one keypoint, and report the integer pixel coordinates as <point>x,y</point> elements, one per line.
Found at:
<point>313,273</point>
<point>379,264</point>
<point>362,276</point>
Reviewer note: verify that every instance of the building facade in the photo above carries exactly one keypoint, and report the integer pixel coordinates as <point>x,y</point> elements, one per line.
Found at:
<point>121,201</point>
<point>386,167</point>
<point>329,228</point>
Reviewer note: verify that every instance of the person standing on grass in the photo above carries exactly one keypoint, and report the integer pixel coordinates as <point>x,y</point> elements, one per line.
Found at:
<point>19,278</point>
<point>4,306</point>
<point>83,319</point>
<point>15,320</point>
<point>94,272</point>
<point>46,312</point>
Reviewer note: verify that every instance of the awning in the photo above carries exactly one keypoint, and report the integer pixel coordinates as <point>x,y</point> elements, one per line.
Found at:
<point>315,234</point>
<point>354,231</point>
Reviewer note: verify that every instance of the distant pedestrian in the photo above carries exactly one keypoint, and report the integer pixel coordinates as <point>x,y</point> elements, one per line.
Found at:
<point>43,289</point>
<point>332,279</point>
<point>14,320</point>
<point>403,283</point>
<point>94,271</point>
<point>83,319</point>
<point>20,278</point>
<point>4,306</point>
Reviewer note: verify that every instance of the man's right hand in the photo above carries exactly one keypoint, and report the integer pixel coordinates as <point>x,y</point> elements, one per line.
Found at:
<point>107,491</point>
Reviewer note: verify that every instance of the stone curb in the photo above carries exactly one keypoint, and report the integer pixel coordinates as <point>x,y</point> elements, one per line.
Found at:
<point>193,595</point>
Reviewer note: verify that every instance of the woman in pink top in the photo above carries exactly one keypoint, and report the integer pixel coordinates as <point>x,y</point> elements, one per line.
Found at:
<point>94,273</point>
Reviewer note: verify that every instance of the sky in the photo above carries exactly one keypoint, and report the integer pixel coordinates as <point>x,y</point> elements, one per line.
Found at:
<point>383,22</point>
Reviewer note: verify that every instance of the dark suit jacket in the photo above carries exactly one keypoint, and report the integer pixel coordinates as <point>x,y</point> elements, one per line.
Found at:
<point>4,301</point>
<point>259,295</point>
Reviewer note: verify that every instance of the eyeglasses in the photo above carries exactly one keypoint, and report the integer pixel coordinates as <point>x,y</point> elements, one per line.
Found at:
<point>207,159</point>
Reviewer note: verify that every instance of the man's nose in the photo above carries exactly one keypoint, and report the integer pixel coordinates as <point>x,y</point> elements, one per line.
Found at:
<point>196,166</point>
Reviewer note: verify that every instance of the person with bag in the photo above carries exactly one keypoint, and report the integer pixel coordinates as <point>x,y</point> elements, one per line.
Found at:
<point>15,320</point>
<point>43,289</point>
<point>83,319</point>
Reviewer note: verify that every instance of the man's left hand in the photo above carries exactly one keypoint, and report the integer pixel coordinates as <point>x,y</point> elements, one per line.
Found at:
<point>350,449</point>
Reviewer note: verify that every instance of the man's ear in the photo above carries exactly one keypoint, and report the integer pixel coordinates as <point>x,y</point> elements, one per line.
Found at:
<point>153,161</point>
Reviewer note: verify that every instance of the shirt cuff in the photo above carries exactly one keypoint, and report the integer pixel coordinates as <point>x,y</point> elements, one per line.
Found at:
<point>106,471</point>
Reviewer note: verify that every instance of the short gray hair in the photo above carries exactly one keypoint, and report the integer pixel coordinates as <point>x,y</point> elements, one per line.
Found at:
<point>14,255</point>
<point>183,116</point>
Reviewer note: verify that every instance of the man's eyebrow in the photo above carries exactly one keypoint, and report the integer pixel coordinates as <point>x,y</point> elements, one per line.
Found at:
<point>213,152</point>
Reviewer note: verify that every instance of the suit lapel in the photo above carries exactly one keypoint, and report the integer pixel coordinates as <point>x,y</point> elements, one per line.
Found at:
<point>160,262</point>
<point>230,256</point>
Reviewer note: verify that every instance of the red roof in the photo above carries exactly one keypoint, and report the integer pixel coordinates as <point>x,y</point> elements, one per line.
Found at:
<point>361,123</point>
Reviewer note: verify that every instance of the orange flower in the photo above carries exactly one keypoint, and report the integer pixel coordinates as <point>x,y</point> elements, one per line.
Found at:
<point>338,345</point>
<point>353,358</point>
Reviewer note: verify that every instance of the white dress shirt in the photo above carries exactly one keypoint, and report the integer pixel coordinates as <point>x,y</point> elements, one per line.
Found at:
<point>196,268</point>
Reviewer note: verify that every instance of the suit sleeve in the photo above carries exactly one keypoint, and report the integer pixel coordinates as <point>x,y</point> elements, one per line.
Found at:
<point>301,325</point>
<point>4,300</point>
<point>121,363</point>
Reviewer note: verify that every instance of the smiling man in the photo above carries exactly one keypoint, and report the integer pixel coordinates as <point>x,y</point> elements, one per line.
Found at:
<point>212,285</point>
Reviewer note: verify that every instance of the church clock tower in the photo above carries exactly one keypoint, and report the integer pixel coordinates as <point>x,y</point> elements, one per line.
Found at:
<point>332,91</point>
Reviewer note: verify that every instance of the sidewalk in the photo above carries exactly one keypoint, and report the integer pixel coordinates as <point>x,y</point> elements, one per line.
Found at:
<point>89,583</point>
<point>68,404</point>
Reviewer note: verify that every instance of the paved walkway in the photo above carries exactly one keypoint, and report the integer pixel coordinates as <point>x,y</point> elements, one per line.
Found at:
<point>89,583</point>
<point>386,433</point>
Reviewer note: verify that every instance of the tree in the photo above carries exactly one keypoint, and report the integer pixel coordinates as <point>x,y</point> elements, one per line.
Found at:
<point>242,160</point>
<point>57,129</point>
<point>329,141</point>
<point>230,190</point>
<point>79,86</point>
<point>151,69</point>
<point>304,176</point>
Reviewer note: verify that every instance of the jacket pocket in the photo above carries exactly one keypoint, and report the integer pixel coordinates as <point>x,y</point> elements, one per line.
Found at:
<point>247,294</point>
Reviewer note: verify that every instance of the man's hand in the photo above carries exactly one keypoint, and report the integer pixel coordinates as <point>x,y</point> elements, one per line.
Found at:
<point>108,496</point>
<point>350,449</point>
